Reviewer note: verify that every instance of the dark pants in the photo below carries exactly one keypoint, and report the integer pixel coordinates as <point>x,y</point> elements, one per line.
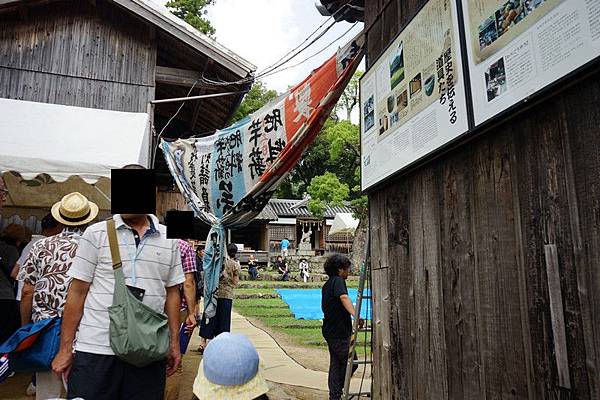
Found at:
<point>10,319</point>
<point>253,273</point>
<point>220,323</point>
<point>338,360</point>
<point>102,377</point>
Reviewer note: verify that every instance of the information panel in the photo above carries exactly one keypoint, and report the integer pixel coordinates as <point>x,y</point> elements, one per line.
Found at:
<point>413,97</point>
<point>518,47</point>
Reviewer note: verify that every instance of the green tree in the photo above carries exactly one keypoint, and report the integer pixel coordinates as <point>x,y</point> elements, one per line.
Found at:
<point>314,162</point>
<point>256,98</point>
<point>194,13</point>
<point>344,152</point>
<point>326,190</point>
<point>344,137</point>
<point>351,95</point>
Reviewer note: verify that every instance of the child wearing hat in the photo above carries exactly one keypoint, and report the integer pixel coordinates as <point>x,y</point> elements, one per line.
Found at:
<point>230,370</point>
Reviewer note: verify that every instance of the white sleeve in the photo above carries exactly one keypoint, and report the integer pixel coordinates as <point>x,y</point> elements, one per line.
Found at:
<point>176,276</point>
<point>86,258</point>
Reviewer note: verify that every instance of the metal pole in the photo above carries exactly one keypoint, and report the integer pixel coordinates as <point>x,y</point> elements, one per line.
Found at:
<point>202,96</point>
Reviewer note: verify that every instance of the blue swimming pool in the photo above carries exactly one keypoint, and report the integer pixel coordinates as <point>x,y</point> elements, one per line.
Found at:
<point>306,303</point>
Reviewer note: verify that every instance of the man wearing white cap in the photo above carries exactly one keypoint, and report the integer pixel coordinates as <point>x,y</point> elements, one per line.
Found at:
<point>45,278</point>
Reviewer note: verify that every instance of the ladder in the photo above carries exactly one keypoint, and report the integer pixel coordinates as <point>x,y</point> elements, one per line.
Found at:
<point>364,275</point>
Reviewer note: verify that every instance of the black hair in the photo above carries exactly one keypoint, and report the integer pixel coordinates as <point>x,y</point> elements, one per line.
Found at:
<point>232,250</point>
<point>336,262</point>
<point>199,248</point>
<point>48,222</point>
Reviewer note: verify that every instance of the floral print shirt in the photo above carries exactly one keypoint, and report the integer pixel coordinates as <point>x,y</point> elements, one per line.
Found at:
<point>46,269</point>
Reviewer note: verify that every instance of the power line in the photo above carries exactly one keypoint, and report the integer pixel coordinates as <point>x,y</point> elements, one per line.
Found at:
<point>273,66</point>
<point>283,62</point>
<point>313,55</point>
<point>284,59</point>
<point>305,40</point>
<point>169,121</point>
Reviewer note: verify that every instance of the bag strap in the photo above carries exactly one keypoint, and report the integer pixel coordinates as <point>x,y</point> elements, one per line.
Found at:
<point>114,244</point>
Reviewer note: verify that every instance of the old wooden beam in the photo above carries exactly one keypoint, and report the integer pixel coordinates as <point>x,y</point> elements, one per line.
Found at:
<point>176,76</point>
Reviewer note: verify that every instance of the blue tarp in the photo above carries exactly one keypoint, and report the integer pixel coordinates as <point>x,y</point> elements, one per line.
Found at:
<point>306,303</point>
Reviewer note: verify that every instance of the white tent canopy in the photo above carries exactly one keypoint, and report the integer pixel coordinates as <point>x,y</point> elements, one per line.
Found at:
<point>343,223</point>
<point>68,147</point>
<point>62,141</point>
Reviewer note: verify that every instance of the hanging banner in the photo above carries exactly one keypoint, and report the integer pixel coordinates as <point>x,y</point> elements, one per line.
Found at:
<point>227,178</point>
<point>517,47</point>
<point>413,99</point>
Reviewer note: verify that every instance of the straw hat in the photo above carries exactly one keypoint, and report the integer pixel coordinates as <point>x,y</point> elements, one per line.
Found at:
<point>74,209</point>
<point>230,370</point>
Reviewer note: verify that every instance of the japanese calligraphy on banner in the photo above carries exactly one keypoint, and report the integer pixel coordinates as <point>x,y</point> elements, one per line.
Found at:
<point>517,47</point>
<point>227,178</point>
<point>412,98</point>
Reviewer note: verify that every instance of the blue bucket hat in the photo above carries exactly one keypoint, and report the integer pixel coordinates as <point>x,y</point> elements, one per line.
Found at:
<point>230,369</point>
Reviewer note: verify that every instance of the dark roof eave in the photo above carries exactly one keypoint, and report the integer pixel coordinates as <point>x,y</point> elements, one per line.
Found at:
<point>354,9</point>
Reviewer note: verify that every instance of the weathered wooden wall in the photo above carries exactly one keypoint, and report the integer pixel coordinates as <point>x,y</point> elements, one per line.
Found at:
<point>74,53</point>
<point>486,260</point>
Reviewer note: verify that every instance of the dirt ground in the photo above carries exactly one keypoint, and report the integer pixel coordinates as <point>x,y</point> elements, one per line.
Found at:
<point>14,388</point>
<point>311,358</point>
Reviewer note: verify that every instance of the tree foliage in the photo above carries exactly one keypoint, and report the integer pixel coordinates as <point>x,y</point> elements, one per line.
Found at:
<point>194,13</point>
<point>326,190</point>
<point>257,97</point>
<point>351,95</point>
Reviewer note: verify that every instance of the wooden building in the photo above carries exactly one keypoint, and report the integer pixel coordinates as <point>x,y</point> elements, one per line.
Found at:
<point>485,257</point>
<point>118,55</point>
<point>295,219</point>
<point>281,218</point>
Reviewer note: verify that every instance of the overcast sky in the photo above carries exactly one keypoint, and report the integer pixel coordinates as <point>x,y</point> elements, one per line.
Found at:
<point>262,31</point>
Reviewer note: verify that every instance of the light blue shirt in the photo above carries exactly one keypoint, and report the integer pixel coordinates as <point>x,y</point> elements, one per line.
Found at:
<point>285,244</point>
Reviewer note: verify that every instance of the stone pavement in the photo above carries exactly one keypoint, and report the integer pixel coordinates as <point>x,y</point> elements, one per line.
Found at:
<point>281,368</point>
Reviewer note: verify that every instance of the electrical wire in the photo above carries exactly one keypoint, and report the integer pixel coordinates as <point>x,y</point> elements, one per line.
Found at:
<point>270,70</point>
<point>311,56</point>
<point>169,121</point>
<point>291,57</point>
<point>304,41</point>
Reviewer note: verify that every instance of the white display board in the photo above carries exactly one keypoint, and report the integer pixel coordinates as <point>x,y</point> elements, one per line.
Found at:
<point>412,98</point>
<point>518,47</point>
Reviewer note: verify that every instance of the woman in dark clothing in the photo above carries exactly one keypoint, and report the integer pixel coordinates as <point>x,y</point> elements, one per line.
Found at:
<point>283,268</point>
<point>337,321</point>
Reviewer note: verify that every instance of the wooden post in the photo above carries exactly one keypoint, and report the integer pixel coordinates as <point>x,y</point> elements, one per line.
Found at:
<point>558,317</point>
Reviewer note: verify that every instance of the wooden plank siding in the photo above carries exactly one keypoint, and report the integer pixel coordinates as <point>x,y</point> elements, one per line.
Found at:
<point>485,259</point>
<point>72,53</point>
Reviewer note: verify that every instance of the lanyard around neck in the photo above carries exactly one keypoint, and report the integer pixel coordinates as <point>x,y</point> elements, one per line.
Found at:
<point>137,250</point>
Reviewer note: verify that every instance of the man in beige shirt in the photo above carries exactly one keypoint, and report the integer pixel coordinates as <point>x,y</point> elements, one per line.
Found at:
<point>229,279</point>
